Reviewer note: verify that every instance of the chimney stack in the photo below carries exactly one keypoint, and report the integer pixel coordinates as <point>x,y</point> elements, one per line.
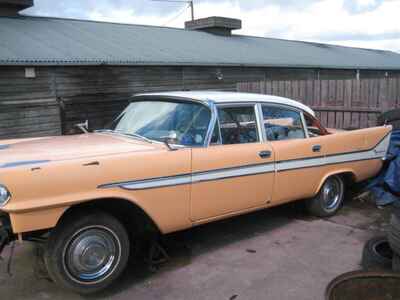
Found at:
<point>11,8</point>
<point>216,25</point>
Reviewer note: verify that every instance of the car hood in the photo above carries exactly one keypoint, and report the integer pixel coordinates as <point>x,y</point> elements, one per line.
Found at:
<point>30,151</point>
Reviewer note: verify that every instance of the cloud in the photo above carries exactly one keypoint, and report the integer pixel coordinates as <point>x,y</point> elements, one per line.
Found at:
<point>360,6</point>
<point>359,23</point>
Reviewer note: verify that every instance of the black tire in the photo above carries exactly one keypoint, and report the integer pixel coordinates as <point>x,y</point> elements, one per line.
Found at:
<point>388,116</point>
<point>396,263</point>
<point>86,252</point>
<point>394,234</point>
<point>319,206</point>
<point>377,254</point>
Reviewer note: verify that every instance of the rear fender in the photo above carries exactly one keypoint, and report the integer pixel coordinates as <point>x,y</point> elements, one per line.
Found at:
<point>341,172</point>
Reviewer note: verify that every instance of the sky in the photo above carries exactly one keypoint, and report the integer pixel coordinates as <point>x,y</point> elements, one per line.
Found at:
<point>357,23</point>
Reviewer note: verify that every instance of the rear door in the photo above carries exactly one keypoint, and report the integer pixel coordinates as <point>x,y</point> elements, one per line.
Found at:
<point>236,172</point>
<point>295,153</point>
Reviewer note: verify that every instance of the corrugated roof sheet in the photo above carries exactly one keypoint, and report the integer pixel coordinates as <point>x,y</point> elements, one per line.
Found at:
<point>53,41</point>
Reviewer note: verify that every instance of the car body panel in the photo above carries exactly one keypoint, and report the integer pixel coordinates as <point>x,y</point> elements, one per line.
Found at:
<point>225,169</point>
<point>80,179</point>
<point>182,186</point>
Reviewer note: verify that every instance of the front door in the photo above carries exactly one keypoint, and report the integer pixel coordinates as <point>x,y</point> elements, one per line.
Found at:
<point>236,172</point>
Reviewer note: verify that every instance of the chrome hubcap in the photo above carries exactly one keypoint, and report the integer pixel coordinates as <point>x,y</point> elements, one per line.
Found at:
<point>332,193</point>
<point>91,254</point>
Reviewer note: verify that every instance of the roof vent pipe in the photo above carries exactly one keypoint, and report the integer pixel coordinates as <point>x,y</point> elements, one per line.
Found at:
<point>11,8</point>
<point>215,25</point>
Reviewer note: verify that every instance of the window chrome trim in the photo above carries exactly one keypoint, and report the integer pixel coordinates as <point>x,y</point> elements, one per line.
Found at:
<point>260,117</point>
<point>288,107</point>
<point>213,122</point>
<point>305,129</point>
<point>244,104</point>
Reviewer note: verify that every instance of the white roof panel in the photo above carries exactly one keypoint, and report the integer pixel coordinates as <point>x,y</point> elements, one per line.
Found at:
<point>232,97</point>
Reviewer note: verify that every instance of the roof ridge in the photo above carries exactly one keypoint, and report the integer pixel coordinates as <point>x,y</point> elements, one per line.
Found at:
<point>315,43</point>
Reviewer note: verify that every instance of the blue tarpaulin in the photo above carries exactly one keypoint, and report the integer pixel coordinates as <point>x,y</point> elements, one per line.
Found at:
<point>386,186</point>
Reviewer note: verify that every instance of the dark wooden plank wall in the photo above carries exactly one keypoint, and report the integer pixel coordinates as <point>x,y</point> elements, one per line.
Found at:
<point>345,104</point>
<point>60,97</point>
<point>28,107</point>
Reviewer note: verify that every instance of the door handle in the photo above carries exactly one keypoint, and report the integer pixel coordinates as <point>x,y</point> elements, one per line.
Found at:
<point>316,148</point>
<point>265,154</point>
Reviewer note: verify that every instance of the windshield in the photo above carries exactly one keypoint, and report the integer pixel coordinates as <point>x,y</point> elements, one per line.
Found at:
<point>183,123</point>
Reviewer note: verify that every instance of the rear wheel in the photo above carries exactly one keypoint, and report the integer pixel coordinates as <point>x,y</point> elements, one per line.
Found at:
<point>87,252</point>
<point>329,199</point>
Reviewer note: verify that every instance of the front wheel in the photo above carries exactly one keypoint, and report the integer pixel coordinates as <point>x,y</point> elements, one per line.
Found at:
<point>87,252</point>
<point>329,199</point>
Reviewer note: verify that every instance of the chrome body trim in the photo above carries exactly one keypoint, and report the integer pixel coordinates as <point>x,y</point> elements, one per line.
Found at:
<point>378,152</point>
<point>22,163</point>
<point>233,172</point>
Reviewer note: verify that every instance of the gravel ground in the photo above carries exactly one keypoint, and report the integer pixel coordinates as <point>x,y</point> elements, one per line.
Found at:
<point>279,253</point>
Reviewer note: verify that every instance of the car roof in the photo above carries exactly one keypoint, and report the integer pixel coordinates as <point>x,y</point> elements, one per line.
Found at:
<point>232,97</point>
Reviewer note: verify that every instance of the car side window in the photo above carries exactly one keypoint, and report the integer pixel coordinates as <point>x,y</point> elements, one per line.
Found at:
<point>313,127</point>
<point>238,125</point>
<point>282,123</point>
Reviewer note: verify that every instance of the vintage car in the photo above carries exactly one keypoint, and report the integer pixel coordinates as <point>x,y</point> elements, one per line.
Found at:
<point>171,161</point>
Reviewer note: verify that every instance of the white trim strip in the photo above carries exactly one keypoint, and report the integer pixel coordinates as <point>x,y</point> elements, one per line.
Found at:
<point>234,172</point>
<point>378,152</point>
<point>156,183</point>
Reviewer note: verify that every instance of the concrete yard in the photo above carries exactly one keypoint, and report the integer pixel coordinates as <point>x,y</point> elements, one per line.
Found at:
<point>279,253</point>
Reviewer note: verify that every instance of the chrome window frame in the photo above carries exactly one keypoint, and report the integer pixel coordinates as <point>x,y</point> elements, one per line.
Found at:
<point>209,104</point>
<point>238,104</point>
<point>305,125</point>
<point>287,107</point>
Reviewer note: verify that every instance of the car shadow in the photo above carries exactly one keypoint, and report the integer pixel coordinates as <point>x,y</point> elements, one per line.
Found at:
<point>182,247</point>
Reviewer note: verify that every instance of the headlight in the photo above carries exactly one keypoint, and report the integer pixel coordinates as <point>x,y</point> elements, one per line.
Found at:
<point>4,195</point>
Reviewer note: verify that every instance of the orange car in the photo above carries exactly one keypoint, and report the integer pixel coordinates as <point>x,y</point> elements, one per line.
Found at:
<point>171,161</point>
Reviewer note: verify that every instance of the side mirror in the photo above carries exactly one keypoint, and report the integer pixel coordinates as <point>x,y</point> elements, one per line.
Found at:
<point>83,126</point>
<point>170,139</point>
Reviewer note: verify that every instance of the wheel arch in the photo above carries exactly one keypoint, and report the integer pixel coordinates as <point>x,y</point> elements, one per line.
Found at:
<point>347,175</point>
<point>131,215</point>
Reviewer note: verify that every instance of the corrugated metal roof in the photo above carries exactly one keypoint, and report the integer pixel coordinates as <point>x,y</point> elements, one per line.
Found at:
<point>53,41</point>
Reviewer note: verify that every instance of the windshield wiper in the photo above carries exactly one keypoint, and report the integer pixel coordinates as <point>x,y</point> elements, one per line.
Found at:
<point>135,135</point>
<point>104,130</point>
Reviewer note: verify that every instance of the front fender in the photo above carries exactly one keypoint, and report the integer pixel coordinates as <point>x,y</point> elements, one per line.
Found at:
<point>167,207</point>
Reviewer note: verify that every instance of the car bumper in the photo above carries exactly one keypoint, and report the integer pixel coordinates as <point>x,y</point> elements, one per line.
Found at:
<point>6,235</point>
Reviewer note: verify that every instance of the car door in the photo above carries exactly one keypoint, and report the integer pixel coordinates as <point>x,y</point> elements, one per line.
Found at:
<point>236,171</point>
<point>296,153</point>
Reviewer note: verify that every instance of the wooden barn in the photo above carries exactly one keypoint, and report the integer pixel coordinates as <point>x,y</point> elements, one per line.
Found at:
<point>56,72</point>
